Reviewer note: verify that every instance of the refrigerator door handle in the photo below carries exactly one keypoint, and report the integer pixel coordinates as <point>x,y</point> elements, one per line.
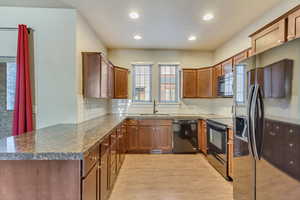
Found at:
<point>254,120</point>
<point>249,119</point>
<point>261,119</point>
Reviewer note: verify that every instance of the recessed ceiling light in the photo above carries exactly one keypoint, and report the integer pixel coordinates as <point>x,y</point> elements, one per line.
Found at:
<point>134,15</point>
<point>192,38</point>
<point>208,16</point>
<point>137,37</point>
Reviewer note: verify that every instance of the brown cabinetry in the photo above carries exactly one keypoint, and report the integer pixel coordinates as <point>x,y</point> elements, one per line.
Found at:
<point>150,135</point>
<point>89,185</point>
<point>132,137</point>
<point>103,171</point>
<point>294,25</point>
<point>111,81</point>
<point>91,63</point>
<point>239,57</point>
<point>202,137</point>
<point>189,83</point>
<point>121,83</point>
<point>277,79</point>
<point>230,152</point>
<point>255,76</point>
<point>269,36</point>
<point>205,82</point>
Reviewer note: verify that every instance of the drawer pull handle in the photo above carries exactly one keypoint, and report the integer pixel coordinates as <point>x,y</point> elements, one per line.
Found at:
<point>291,162</point>
<point>291,131</point>
<point>291,145</point>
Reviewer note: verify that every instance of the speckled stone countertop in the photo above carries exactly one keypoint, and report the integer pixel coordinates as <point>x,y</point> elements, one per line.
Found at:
<point>226,121</point>
<point>71,141</point>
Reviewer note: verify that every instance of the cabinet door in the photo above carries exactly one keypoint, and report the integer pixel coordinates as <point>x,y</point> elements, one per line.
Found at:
<point>269,37</point>
<point>89,185</point>
<point>203,141</point>
<point>227,67</point>
<point>91,74</point>
<point>294,25</point>
<point>121,83</point>
<point>110,81</point>
<point>241,56</point>
<point>189,83</point>
<point>267,82</point>
<point>162,138</point>
<point>104,78</point>
<point>145,138</point>
<point>132,134</point>
<point>103,186</point>
<point>205,82</point>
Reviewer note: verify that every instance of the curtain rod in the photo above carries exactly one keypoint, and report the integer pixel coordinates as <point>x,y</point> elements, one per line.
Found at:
<point>12,29</point>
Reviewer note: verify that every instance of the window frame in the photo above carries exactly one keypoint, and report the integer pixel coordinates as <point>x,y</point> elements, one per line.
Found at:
<point>177,83</point>
<point>134,65</point>
<point>240,103</point>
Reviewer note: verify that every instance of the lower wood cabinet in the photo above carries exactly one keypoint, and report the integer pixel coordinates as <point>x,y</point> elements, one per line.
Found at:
<point>202,136</point>
<point>230,152</point>
<point>103,175</point>
<point>150,135</point>
<point>89,185</point>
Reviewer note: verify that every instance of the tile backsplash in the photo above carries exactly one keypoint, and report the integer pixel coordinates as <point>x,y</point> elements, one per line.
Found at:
<point>186,106</point>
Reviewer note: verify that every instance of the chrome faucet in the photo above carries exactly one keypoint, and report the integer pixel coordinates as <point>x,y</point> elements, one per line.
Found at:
<point>154,107</point>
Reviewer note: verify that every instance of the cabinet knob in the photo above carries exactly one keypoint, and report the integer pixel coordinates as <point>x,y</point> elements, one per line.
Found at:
<point>291,131</point>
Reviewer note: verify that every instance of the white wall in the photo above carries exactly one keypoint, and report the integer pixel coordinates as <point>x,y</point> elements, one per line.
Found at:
<point>241,41</point>
<point>54,58</point>
<point>86,40</point>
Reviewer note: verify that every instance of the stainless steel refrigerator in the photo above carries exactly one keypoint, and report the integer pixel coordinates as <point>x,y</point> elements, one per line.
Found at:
<point>267,125</point>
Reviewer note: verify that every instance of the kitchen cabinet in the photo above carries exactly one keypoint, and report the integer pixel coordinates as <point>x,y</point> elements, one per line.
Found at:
<point>146,136</point>
<point>91,66</point>
<point>294,25</point>
<point>205,82</point>
<point>239,57</point>
<point>202,137</point>
<point>104,78</point>
<point>189,85</point>
<point>255,76</point>
<point>103,184</point>
<point>278,79</point>
<point>217,71</point>
<point>269,36</point>
<point>121,83</point>
<point>89,185</point>
<point>111,81</point>
<point>230,152</point>
<point>133,137</point>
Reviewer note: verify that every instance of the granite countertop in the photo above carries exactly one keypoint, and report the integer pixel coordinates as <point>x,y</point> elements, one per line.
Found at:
<point>71,141</point>
<point>59,142</point>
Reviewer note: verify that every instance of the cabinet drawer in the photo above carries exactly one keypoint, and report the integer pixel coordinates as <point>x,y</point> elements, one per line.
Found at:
<point>90,159</point>
<point>132,122</point>
<point>155,122</point>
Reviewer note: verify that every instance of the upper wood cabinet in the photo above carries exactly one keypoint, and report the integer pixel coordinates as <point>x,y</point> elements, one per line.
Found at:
<point>91,63</point>
<point>294,25</point>
<point>205,82</point>
<point>111,80</point>
<point>277,79</point>
<point>239,57</point>
<point>227,66</point>
<point>189,83</point>
<point>98,76</point>
<point>121,83</point>
<point>269,36</point>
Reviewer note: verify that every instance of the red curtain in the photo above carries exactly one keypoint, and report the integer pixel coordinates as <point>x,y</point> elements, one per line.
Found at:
<point>22,117</point>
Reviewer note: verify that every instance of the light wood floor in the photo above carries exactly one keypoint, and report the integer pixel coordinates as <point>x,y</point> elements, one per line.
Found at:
<point>170,177</point>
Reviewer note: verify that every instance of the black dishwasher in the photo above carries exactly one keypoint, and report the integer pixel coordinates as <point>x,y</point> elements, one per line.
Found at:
<point>185,136</point>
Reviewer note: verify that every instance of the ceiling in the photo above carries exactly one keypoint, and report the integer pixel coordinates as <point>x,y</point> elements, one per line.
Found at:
<point>164,24</point>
